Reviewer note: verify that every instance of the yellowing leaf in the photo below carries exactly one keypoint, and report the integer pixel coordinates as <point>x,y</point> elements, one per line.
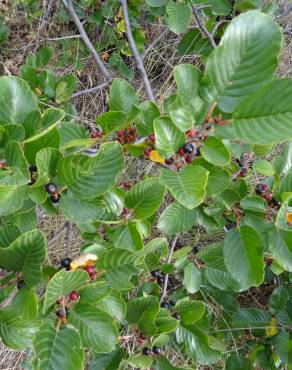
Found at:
<point>272,330</point>
<point>121,27</point>
<point>87,259</point>
<point>288,217</point>
<point>156,157</point>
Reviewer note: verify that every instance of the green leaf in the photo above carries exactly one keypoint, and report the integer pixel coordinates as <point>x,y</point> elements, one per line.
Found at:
<point>215,152</point>
<point>16,100</point>
<point>89,177</point>
<point>197,343</point>
<point>128,237</point>
<point>156,3</point>
<point>144,198</point>
<point>144,120</point>
<point>168,137</point>
<point>176,219</point>
<point>140,361</point>
<point>220,7</point>
<point>65,88</point>
<point>251,317</point>
<point>190,311</point>
<point>281,248</point>
<point>114,305</point>
<point>143,311</point>
<point>43,57</point>
<point>188,186</point>
<point>62,283</point>
<point>16,332</point>
<point>119,265</point>
<point>193,42</point>
<point>263,167</point>
<point>96,327</point>
<point>55,349</point>
<point>163,364</point>
<point>221,279</point>
<point>8,234</point>
<point>254,205</point>
<point>235,362</point>
<point>279,297</point>
<point>122,96</point>
<point>18,168</point>
<point>246,58</point>
<point>12,199</point>
<point>192,278</point>
<point>243,255</point>
<point>46,161</point>
<point>107,361</point>
<point>110,121</point>
<point>25,254</point>
<point>94,292</point>
<point>265,116</point>
<point>25,304</point>
<point>179,16</point>
<point>189,108</point>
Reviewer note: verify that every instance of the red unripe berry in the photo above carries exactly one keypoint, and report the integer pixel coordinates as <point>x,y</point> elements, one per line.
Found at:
<point>268,197</point>
<point>132,130</point>
<point>181,152</point>
<point>243,172</point>
<point>169,161</point>
<point>151,137</point>
<point>121,140</point>
<point>120,133</point>
<point>189,159</point>
<point>90,269</point>
<point>93,276</point>
<point>127,185</point>
<point>191,133</point>
<point>96,134</point>
<point>73,296</point>
<point>131,138</point>
<point>147,152</point>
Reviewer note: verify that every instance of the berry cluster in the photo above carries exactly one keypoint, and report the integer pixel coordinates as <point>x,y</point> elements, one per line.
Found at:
<point>263,190</point>
<point>53,191</point>
<point>96,134</point>
<point>188,152</point>
<point>150,145</point>
<point>127,135</point>
<point>160,278</point>
<point>155,351</point>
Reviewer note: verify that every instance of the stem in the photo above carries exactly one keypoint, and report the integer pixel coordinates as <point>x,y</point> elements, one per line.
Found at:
<point>103,69</point>
<point>90,90</point>
<point>168,260</point>
<point>156,41</point>
<point>135,51</point>
<point>202,27</point>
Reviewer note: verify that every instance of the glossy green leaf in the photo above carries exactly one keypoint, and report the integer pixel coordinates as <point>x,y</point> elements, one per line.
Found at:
<point>245,60</point>
<point>107,361</point>
<point>140,361</point>
<point>168,137</point>
<point>56,349</point>
<point>94,292</point>
<point>148,112</point>
<point>251,317</point>
<point>114,304</point>
<point>142,311</point>
<point>243,255</point>
<point>110,121</point>
<point>25,304</point>
<point>192,278</point>
<point>263,167</point>
<point>62,283</point>
<point>190,311</point>
<point>215,152</point>
<point>281,248</point>
<point>25,254</point>
<point>122,96</point>
<point>144,198</point>
<point>12,199</point>
<point>176,219</point>
<point>179,16</point>
<point>188,186</point>
<point>96,327</point>
<point>15,331</point>
<point>16,100</point>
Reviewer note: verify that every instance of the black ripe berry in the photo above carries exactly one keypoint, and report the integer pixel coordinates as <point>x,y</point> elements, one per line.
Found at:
<point>146,351</point>
<point>32,168</point>
<point>155,273</point>
<point>66,263</point>
<point>156,350</point>
<point>51,188</point>
<point>176,316</point>
<point>164,305</point>
<point>188,148</point>
<point>20,284</point>
<point>160,279</point>
<point>61,312</point>
<point>261,189</point>
<point>172,302</point>
<point>169,161</point>
<point>55,198</point>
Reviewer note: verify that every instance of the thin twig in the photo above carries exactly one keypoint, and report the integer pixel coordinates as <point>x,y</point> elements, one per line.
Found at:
<point>69,226</point>
<point>61,38</point>
<point>168,260</point>
<point>155,42</point>
<point>47,14</point>
<point>90,90</point>
<point>202,27</point>
<point>135,51</point>
<point>103,69</point>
